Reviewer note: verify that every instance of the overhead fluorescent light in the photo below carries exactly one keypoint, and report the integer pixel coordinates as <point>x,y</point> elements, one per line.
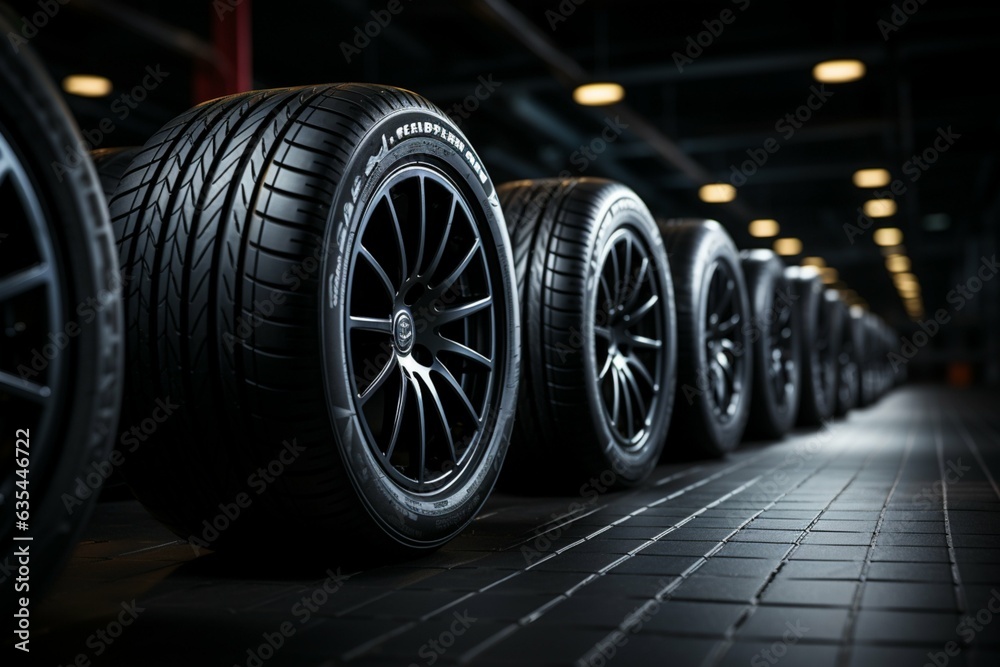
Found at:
<point>839,71</point>
<point>598,94</point>
<point>717,193</point>
<point>87,85</point>
<point>764,228</point>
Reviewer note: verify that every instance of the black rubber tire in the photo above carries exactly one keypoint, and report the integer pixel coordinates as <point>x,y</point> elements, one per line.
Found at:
<point>61,350</point>
<point>849,353</point>
<point>111,164</point>
<point>819,333</point>
<point>867,396</point>
<point>562,232</point>
<point>774,335</point>
<point>245,222</point>
<point>698,250</point>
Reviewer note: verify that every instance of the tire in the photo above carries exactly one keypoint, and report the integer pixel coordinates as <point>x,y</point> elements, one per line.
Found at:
<point>61,351</point>
<point>849,354</point>
<point>324,300</point>
<point>867,396</point>
<point>599,332</point>
<point>110,164</point>
<point>775,342</point>
<point>818,347</point>
<point>713,397</point>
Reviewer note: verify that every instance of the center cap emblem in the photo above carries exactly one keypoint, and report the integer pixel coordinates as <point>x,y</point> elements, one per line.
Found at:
<point>403,331</point>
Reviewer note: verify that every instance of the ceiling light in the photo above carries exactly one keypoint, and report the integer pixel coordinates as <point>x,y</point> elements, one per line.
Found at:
<point>898,263</point>
<point>888,236</point>
<point>880,208</point>
<point>788,246</point>
<point>813,261</point>
<point>839,71</point>
<point>598,94</point>
<point>903,280</point>
<point>764,228</point>
<point>717,193</point>
<point>87,85</point>
<point>829,275</point>
<point>871,178</point>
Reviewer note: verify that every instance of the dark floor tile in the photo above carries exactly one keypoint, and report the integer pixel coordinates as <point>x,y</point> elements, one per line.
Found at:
<point>908,595</point>
<point>912,540</point>
<point>767,536</point>
<point>821,569</point>
<point>758,653</point>
<point>926,628</point>
<point>574,561</point>
<point>718,589</point>
<point>542,643</point>
<point>963,555</point>
<point>809,593</point>
<point>913,527</point>
<point>910,554</point>
<point>838,539</point>
<point>824,552</point>
<point>764,523</point>
<point>682,617</point>
<point>655,565</point>
<point>814,624</point>
<point>738,567</point>
<point>825,524</point>
<point>667,547</point>
<point>642,650</point>
<point>753,550</point>
<point>880,656</point>
<point>932,572</point>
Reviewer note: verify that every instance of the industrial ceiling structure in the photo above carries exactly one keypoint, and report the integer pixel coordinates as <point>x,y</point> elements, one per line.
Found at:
<point>716,92</point>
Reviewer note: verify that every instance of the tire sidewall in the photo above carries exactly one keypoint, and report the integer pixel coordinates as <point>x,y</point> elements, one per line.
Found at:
<point>405,136</point>
<point>622,209</point>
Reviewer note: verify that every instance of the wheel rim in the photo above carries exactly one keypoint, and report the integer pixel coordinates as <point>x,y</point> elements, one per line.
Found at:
<point>780,363</point>
<point>31,308</point>
<point>421,330</point>
<point>628,337</point>
<point>848,368</point>
<point>824,351</point>
<point>723,345</point>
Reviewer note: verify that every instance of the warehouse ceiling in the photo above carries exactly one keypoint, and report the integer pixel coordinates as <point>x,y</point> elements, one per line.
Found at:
<point>715,91</point>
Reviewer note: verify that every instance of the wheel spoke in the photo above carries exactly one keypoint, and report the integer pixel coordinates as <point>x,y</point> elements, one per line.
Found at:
<point>21,388</point>
<point>448,345</point>
<point>616,390</point>
<point>379,271</point>
<point>453,277</point>
<point>397,421</point>
<point>637,283</point>
<point>460,312</point>
<point>643,310</point>
<point>423,227</point>
<point>442,417</point>
<point>436,260</point>
<point>728,325</point>
<point>640,368</point>
<point>627,275</point>
<point>604,370</point>
<point>25,281</point>
<point>643,342</point>
<point>377,324</point>
<point>398,229</point>
<point>422,419</point>
<point>627,400</point>
<point>616,274</point>
<point>634,390</point>
<point>379,380</point>
<point>602,332</point>
<point>456,386</point>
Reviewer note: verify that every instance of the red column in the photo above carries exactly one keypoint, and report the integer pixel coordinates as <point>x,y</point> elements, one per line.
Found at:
<point>233,43</point>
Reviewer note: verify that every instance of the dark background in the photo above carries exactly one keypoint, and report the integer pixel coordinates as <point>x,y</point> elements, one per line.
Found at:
<point>934,71</point>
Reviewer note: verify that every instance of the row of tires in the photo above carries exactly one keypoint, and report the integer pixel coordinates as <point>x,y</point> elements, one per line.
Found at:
<point>321,325</point>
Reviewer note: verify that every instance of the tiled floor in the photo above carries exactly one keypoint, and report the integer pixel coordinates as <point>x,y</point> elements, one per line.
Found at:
<point>874,541</point>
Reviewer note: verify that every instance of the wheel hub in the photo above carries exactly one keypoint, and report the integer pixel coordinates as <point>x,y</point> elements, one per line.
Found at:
<point>402,331</point>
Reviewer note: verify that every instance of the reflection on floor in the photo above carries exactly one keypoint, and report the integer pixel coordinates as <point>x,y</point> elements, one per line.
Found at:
<point>875,541</point>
